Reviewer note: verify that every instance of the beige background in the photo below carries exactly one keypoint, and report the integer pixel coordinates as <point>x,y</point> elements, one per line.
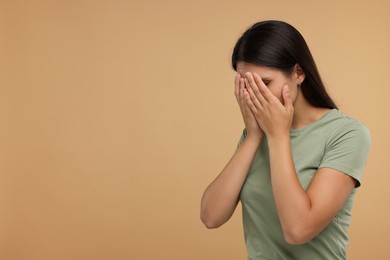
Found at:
<point>115,115</point>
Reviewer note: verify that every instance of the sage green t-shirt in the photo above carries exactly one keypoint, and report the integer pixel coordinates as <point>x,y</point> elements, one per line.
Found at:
<point>333,141</point>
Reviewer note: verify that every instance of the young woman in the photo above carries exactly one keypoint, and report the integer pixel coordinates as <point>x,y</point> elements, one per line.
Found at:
<point>299,159</point>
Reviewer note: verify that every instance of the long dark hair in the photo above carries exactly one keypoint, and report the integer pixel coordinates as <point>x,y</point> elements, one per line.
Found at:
<point>279,45</point>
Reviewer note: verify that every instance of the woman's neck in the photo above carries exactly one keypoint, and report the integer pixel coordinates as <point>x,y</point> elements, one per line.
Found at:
<point>305,113</point>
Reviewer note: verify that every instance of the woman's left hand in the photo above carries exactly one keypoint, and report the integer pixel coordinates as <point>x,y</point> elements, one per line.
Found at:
<point>273,117</point>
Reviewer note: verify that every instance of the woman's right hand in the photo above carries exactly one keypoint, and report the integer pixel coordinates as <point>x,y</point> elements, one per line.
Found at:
<point>252,127</point>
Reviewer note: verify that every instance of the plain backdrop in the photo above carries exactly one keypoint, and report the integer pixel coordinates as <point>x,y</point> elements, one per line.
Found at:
<point>116,115</point>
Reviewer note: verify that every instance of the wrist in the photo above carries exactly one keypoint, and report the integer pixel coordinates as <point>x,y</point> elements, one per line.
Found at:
<point>278,139</point>
<point>254,138</point>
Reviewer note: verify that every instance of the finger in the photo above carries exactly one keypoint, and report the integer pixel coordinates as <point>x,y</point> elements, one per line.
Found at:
<point>252,95</point>
<point>255,88</point>
<point>241,92</point>
<point>287,98</point>
<point>249,102</point>
<point>267,94</point>
<point>237,85</point>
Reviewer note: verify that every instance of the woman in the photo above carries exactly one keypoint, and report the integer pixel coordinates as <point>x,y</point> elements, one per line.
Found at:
<point>299,159</point>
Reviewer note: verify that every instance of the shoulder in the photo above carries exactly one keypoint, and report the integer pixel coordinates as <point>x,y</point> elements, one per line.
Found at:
<point>347,128</point>
<point>347,146</point>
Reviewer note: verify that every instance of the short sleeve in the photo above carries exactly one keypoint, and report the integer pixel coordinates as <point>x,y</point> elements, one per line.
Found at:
<point>347,150</point>
<point>242,138</point>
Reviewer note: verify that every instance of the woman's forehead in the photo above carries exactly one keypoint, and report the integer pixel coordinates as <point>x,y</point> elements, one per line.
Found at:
<point>263,71</point>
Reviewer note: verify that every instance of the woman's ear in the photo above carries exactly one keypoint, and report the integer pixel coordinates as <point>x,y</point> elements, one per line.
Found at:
<point>299,74</point>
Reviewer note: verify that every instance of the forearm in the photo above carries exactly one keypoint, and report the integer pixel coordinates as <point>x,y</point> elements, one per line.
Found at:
<point>292,203</point>
<point>221,196</point>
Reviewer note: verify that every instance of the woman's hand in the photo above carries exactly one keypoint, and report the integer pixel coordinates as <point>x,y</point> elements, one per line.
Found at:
<point>274,117</point>
<point>252,127</point>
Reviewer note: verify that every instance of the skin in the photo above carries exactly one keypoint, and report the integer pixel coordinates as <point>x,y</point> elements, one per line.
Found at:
<point>272,110</point>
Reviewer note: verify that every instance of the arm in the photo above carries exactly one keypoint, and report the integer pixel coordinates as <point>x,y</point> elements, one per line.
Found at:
<point>303,215</point>
<point>221,197</point>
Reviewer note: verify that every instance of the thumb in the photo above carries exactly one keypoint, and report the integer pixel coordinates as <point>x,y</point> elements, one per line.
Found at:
<point>287,98</point>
